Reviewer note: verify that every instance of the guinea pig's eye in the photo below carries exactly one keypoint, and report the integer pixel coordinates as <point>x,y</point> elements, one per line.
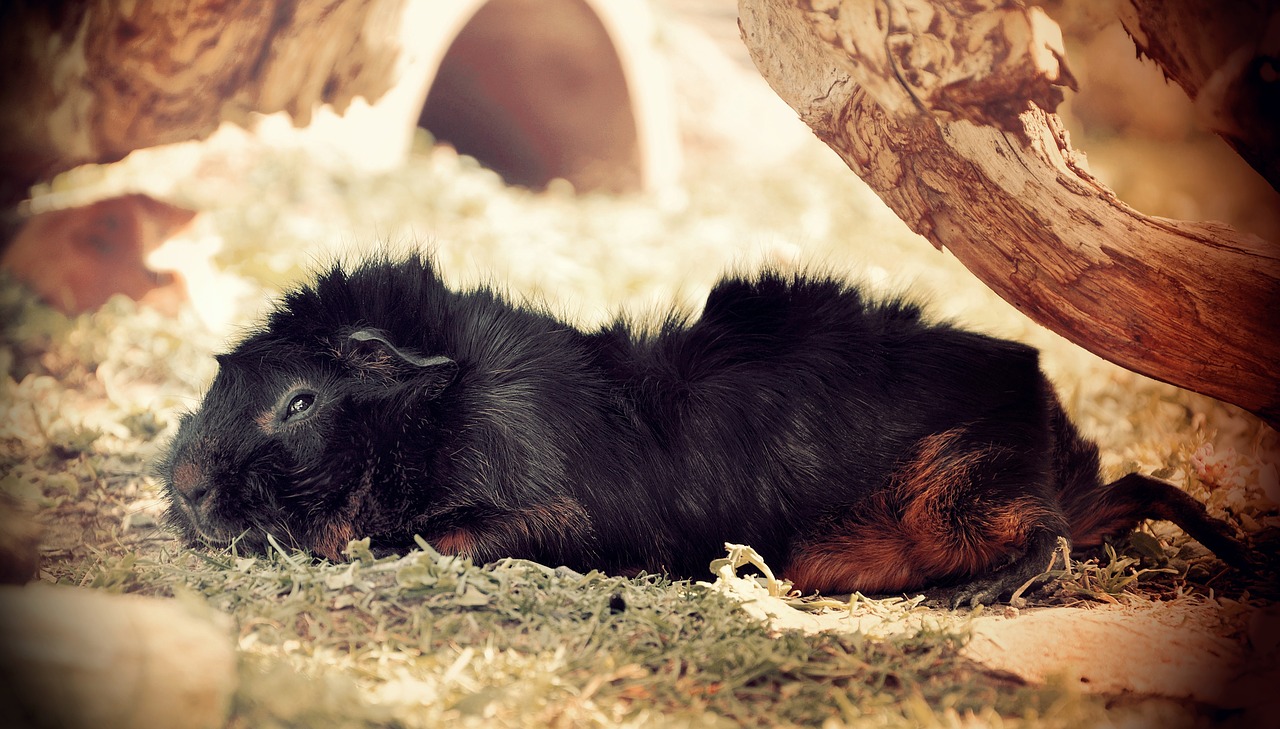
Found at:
<point>298,405</point>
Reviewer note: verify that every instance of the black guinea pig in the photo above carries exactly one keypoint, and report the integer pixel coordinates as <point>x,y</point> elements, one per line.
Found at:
<point>849,441</point>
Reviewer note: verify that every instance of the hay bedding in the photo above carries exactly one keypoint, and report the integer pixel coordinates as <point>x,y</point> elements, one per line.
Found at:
<point>426,640</point>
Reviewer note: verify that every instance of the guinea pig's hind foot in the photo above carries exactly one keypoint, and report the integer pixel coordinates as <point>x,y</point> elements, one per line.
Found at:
<point>983,591</point>
<point>1025,573</point>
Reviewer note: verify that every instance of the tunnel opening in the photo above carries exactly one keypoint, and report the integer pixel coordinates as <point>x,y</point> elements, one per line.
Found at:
<point>535,91</point>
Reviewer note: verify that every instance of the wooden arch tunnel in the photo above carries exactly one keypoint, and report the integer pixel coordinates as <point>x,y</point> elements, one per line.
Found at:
<point>533,89</point>
<point>536,92</point>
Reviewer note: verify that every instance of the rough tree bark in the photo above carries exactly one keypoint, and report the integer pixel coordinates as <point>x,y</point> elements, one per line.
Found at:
<point>946,110</point>
<point>85,81</point>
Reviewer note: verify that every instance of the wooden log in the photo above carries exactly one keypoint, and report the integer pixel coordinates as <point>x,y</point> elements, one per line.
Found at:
<point>947,112</point>
<point>92,80</point>
<point>72,657</point>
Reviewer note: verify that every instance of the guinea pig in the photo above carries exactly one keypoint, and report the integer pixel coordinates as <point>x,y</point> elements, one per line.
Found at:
<point>847,439</point>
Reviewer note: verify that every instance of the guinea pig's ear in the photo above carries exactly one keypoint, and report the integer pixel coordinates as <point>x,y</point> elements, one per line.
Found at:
<point>371,352</point>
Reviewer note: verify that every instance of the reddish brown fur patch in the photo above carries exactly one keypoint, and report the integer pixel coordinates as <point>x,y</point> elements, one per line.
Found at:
<point>458,541</point>
<point>537,524</point>
<point>1090,528</point>
<point>556,519</point>
<point>927,527</point>
<point>932,489</point>
<point>265,420</point>
<point>873,556</point>
<point>1012,524</point>
<point>958,534</point>
<point>186,477</point>
<point>516,532</point>
<point>332,537</point>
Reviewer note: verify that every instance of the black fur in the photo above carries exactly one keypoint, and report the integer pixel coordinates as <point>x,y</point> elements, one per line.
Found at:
<point>846,439</point>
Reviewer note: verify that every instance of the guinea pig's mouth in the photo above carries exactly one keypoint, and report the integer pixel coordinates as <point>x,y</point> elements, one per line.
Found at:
<point>222,537</point>
<point>250,540</point>
<point>198,531</point>
<point>202,530</point>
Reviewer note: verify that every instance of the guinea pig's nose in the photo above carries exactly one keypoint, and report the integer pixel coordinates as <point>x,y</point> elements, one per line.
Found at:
<point>189,480</point>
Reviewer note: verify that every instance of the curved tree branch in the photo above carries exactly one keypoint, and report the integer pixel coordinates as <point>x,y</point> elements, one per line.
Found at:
<point>947,113</point>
